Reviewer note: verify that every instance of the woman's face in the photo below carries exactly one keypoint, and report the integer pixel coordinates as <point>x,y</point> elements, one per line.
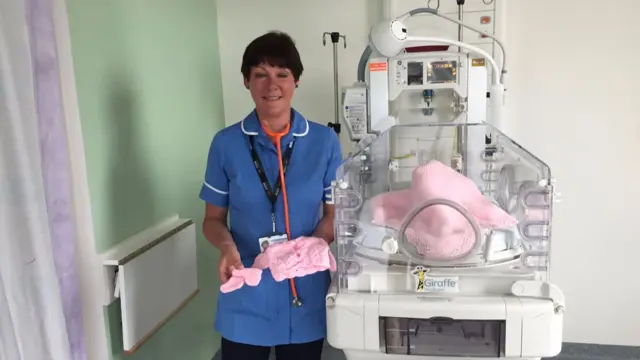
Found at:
<point>271,88</point>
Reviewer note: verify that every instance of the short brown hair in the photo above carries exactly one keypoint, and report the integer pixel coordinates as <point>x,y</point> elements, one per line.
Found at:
<point>275,48</point>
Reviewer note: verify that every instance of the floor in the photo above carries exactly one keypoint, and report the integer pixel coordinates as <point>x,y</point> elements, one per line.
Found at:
<point>570,351</point>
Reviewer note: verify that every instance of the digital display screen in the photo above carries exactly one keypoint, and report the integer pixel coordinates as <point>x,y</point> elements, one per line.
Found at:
<point>442,72</point>
<point>415,73</point>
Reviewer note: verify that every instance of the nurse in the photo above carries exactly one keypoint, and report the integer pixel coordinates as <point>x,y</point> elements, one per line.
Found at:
<point>242,182</point>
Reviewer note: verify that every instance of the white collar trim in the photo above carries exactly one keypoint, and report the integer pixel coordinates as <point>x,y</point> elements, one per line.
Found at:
<point>304,133</point>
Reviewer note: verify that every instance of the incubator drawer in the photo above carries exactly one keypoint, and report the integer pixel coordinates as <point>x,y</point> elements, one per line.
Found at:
<point>442,337</point>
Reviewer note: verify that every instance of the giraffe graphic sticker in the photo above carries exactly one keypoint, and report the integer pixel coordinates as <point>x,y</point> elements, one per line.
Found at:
<point>434,284</point>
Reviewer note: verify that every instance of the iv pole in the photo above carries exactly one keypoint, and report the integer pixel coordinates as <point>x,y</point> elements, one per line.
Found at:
<point>335,38</point>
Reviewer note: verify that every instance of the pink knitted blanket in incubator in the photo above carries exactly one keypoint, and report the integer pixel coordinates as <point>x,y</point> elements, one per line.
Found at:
<point>439,231</point>
<point>300,257</point>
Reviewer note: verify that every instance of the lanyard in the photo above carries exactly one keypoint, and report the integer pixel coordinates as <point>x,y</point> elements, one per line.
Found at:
<point>272,194</point>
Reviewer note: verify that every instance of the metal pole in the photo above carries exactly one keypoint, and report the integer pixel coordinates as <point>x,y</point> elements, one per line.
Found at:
<point>335,82</point>
<point>461,130</point>
<point>335,38</point>
<point>460,18</point>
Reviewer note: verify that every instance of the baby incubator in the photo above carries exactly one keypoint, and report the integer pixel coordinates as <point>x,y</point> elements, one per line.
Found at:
<point>443,235</point>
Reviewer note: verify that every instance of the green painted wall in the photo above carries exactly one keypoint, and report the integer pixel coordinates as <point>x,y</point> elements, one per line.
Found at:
<point>148,81</point>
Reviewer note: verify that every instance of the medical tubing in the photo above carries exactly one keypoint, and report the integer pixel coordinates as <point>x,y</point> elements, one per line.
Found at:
<point>438,201</point>
<point>494,65</point>
<point>362,64</point>
<point>436,13</point>
<point>285,201</point>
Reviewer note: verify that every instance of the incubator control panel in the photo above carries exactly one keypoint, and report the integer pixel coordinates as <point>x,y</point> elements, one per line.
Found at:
<point>418,72</point>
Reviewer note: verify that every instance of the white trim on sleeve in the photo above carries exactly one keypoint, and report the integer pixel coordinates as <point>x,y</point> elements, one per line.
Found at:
<point>216,190</point>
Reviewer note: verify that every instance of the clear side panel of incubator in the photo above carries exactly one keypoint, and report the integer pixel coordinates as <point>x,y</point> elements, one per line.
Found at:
<point>362,176</point>
<point>375,192</point>
<point>519,183</point>
<point>442,337</point>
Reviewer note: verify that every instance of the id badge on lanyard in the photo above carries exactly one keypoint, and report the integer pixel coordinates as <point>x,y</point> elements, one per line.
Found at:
<point>274,238</point>
<point>272,194</point>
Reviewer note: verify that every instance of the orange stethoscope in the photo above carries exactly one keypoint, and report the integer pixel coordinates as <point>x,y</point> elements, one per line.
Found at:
<point>275,138</point>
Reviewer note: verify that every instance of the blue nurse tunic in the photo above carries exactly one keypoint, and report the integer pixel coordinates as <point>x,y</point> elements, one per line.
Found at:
<point>265,315</point>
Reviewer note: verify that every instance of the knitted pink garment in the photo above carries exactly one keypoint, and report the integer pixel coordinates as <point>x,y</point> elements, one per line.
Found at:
<point>249,276</point>
<point>297,258</point>
<point>439,231</point>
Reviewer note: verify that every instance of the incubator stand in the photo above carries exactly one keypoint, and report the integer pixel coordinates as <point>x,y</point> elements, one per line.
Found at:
<point>387,301</point>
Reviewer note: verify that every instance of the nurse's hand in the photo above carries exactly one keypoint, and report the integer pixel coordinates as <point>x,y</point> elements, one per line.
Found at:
<point>229,261</point>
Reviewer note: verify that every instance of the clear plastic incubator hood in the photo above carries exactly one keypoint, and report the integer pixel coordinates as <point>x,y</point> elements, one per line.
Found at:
<point>443,236</point>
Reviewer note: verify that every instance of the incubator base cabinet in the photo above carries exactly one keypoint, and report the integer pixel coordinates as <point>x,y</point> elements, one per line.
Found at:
<point>443,236</point>
<point>427,327</point>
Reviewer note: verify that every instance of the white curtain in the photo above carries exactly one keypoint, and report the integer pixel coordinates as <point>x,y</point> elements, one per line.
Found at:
<point>40,314</point>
